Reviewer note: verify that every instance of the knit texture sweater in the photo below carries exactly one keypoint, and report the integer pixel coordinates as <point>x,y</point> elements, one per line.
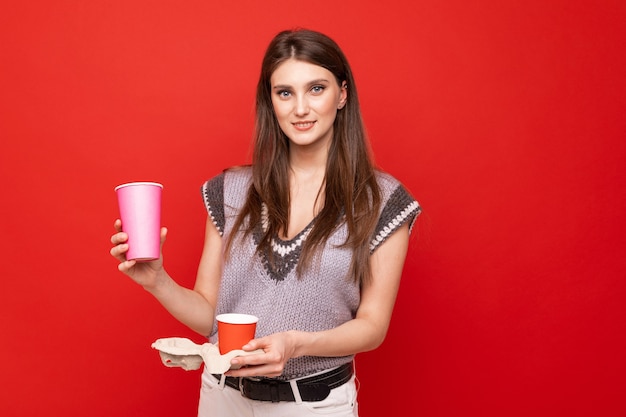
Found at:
<point>323,297</point>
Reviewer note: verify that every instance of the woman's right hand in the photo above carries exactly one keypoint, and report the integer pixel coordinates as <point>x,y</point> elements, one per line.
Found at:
<point>145,273</point>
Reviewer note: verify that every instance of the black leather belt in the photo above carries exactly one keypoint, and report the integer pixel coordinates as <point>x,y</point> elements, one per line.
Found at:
<point>312,388</point>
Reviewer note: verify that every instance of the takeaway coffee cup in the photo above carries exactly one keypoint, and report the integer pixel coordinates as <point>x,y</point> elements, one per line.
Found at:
<point>235,330</point>
<point>140,211</point>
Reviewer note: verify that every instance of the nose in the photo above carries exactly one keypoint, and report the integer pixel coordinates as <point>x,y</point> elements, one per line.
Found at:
<point>302,106</point>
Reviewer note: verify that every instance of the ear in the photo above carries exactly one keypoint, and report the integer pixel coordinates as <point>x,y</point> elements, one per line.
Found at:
<point>343,95</point>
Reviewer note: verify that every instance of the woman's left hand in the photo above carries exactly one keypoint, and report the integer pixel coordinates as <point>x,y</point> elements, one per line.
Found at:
<point>278,349</point>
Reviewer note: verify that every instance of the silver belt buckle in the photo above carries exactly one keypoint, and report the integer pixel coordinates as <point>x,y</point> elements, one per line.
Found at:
<point>241,378</point>
<point>241,386</point>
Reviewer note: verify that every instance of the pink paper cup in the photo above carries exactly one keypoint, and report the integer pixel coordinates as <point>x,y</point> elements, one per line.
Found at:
<point>235,330</point>
<point>140,211</point>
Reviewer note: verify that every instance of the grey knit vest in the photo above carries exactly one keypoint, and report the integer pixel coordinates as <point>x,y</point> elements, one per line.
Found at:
<point>323,298</point>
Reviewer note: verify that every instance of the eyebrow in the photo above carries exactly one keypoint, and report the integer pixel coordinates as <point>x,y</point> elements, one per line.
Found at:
<point>310,83</point>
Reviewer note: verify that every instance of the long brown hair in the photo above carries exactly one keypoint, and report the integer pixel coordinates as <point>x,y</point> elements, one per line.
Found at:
<point>351,190</point>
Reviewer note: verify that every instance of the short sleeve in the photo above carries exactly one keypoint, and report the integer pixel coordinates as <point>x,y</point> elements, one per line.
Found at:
<point>213,196</point>
<point>399,208</point>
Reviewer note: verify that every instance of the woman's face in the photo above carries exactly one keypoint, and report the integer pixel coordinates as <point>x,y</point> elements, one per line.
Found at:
<point>306,98</point>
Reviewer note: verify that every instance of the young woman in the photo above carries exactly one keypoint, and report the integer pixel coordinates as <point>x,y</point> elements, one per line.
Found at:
<point>311,238</point>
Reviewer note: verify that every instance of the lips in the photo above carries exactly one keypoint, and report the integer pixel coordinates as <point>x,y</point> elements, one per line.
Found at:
<point>303,125</point>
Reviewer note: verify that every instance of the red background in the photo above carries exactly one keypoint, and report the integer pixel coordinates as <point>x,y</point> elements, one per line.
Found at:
<point>504,118</point>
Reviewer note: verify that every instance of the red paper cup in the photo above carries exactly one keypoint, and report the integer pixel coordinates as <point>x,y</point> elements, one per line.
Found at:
<point>235,330</point>
<point>140,211</point>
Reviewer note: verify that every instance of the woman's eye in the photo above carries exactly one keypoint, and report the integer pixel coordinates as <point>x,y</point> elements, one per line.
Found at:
<point>317,89</point>
<point>284,94</point>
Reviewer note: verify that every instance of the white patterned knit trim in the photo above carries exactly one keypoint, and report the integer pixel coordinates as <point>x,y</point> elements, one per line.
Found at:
<point>284,250</point>
<point>279,248</point>
<point>393,225</point>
